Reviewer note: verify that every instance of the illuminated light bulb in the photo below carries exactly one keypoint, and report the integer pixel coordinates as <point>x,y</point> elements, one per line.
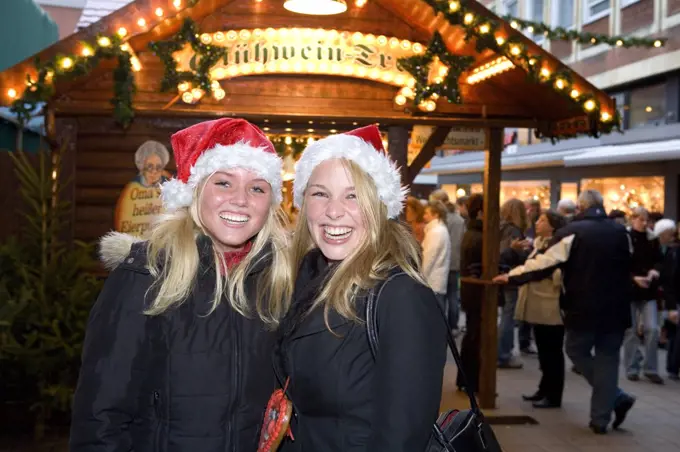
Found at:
<point>206,38</point>
<point>288,140</point>
<point>219,36</point>
<point>484,28</point>
<point>394,42</point>
<point>619,43</point>
<point>49,75</point>
<point>219,73</point>
<point>405,44</point>
<point>246,69</point>
<point>266,129</point>
<point>593,40</point>
<point>187,98</point>
<point>258,33</point>
<point>500,40</point>
<point>232,71</point>
<point>430,105</point>
<point>349,70</point>
<point>435,96</point>
<point>310,130</point>
<point>122,31</point>
<point>125,47</point>
<point>574,93</point>
<point>104,41</point>
<point>283,33</point>
<point>589,105</point>
<point>219,94</point>
<point>197,93</point>
<point>183,86</point>
<point>285,66</point>
<point>177,3</point>
<point>545,72</point>
<point>335,68</point>
<point>443,71</point>
<point>311,67</point>
<point>560,83</point>
<point>141,22</point>
<point>86,52</point>
<point>374,74</point>
<point>408,92</point>
<point>454,6</point>
<point>514,24</point>
<point>658,43</point>
<point>387,77</point>
<point>244,34</point>
<point>356,37</point>
<point>530,29</point>
<point>297,66</point>
<point>215,85</point>
<point>411,82</point>
<point>400,99</point>
<point>438,80</point>
<point>515,50</point>
<point>469,17</point>
<point>361,72</point>
<point>333,131</point>
<point>310,140</point>
<point>159,12</point>
<point>136,65</point>
<point>271,66</point>
<point>532,61</point>
<point>382,41</point>
<point>232,35</point>
<point>418,48</point>
<point>605,116</point>
<point>259,68</point>
<point>323,67</point>
<point>370,39</point>
<point>333,34</point>
<point>67,63</point>
<point>270,32</point>
<point>12,93</point>
<point>360,3</point>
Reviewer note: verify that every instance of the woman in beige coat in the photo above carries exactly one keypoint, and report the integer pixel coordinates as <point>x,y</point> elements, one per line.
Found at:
<point>538,303</point>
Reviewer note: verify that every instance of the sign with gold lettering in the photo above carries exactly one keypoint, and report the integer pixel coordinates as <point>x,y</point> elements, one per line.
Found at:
<point>305,50</point>
<point>140,201</point>
<point>458,139</point>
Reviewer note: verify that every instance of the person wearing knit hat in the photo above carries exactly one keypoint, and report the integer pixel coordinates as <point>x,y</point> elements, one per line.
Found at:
<point>178,345</point>
<point>348,243</point>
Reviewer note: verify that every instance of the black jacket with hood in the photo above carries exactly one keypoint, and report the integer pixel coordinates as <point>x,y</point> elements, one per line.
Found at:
<point>183,381</point>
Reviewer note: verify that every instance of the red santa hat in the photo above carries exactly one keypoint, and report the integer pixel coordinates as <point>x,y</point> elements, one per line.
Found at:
<point>364,147</point>
<point>210,146</point>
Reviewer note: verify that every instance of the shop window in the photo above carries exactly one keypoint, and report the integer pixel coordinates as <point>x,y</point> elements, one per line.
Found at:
<point>622,107</point>
<point>595,9</point>
<point>535,14</point>
<point>648,106</point>
<point>563,13</point>
<point>569,190</point>
<point>627,193</point>
<point>524,190</point>
<point>511,7</point>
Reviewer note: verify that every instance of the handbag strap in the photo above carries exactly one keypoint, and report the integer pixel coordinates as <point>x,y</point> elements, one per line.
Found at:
<point>372,332</point>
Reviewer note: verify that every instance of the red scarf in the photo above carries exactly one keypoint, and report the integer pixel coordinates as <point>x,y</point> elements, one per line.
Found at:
<point>233,258</point>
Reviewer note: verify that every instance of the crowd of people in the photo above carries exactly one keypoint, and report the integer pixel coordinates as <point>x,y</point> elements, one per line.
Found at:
<point>598,286</point>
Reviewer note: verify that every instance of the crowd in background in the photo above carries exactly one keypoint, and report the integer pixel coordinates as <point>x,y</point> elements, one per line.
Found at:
<point>574,278</point>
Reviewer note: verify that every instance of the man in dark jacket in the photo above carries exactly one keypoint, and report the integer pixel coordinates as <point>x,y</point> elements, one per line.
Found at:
<point>594,254</point>
<point>667,233</point>
<point>645,272</point>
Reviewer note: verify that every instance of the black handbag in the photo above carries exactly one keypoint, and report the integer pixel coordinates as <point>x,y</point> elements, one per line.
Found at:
<point>455,430</point>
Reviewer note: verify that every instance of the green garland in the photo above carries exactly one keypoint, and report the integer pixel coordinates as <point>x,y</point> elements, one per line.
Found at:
<point>419,67</point>
<point>562,34</point>
<point>206,57</point>
<point>41,89</point>
<point>483,31</point>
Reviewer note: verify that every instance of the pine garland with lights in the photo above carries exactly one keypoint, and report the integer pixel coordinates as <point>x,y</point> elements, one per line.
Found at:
<point>68,67</point>
<point>419,67</point>
<point>563,34</point>
<point>207,56</point>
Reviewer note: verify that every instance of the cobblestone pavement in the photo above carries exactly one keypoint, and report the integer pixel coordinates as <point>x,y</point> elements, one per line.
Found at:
<point>652,425</point>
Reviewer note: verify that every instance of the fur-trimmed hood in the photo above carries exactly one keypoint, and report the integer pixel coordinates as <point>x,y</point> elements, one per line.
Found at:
<point>114,247</point>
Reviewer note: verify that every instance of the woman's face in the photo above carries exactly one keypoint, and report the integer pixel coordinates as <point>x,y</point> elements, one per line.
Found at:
<point>334,217</point>
<point>234,206</point>
<point>429,215</point>
<point>543,227</point>
<point>152,169</point>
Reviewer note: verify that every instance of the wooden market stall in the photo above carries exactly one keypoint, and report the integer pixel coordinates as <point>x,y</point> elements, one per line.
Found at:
<point>156,66</point>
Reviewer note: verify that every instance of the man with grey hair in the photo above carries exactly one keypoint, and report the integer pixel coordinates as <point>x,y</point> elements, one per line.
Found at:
<point>594,254</point>
<point>566,208</point>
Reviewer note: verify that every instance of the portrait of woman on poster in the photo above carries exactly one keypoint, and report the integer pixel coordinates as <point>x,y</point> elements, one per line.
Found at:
<point>177,354</point>
<point>151,158</point>
<point>347,243</point>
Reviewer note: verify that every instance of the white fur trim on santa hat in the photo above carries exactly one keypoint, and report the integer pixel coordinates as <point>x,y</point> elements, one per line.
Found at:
<point>176,194</point>
<point>383,171</point>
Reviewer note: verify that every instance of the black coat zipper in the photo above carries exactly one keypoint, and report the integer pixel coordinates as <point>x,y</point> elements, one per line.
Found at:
<point>236,387</point>
<point>159,417</point>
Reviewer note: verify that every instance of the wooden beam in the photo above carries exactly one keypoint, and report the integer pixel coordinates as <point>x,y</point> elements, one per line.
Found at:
<point>397,138</point>
<point>490,260</point>
<point>427,152</point>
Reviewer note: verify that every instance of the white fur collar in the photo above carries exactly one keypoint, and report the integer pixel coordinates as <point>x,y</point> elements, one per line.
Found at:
<point>114,247</point>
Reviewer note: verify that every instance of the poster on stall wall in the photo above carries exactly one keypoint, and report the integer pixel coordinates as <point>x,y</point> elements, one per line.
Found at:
<point>140,200</point>
<point>458,140</point>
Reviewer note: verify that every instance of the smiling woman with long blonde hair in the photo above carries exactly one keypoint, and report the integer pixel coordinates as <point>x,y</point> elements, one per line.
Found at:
<point>177,354</point>
<point>348,243</point>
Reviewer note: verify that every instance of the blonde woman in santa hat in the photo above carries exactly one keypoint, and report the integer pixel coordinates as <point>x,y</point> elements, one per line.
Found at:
<point>348,241</point>
<point>177,355</point>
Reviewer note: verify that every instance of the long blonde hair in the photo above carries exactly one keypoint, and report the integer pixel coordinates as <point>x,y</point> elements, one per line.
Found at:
<point>174,262</point>
<point>387,244</point>
<point>514,212</point>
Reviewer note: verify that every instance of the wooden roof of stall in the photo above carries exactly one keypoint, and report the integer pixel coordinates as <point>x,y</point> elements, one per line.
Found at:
<point>508,99</point>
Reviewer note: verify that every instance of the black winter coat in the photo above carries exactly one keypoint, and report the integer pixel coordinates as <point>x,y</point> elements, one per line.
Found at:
<point>182,381</point>
<point>344,400</point>
<point>646,256</point>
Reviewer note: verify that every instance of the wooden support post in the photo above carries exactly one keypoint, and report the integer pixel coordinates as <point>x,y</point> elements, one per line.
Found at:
<point>397,146</point>
<point>427,152</point>
<point>490,258</point>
